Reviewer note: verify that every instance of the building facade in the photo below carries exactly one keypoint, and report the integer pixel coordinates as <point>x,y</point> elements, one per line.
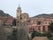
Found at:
<point>40,24</point>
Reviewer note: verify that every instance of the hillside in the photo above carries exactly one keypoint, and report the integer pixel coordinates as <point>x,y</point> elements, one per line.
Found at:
<point>43,15</point>
<point>3,14</point>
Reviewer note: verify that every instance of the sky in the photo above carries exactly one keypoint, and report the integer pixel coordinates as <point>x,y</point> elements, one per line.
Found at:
<point>32,7</point>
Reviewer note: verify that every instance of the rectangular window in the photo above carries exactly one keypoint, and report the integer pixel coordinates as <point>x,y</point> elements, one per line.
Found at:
<point>39,28</point>
<point>43,28</point>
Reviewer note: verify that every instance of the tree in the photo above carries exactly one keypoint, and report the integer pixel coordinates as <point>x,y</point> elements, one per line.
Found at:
<point>51,27</point>
<point>14,33</point>
<point>33,34</point>
<point>14,22</point>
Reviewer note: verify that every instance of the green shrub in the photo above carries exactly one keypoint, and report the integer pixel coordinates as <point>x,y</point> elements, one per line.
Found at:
<point>45,34</point>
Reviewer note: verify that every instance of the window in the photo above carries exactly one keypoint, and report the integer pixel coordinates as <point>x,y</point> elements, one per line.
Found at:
<point>38,23</point>
<point>20,17</point>
<point>43,28</point>
<point>39,28</point>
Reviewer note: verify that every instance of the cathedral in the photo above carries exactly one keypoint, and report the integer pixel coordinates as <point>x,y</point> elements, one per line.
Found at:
<point>21,16</point>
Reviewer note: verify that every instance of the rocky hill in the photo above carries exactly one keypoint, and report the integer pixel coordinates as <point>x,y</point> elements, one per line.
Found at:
<point>43,15</point>
<point>3,14</point>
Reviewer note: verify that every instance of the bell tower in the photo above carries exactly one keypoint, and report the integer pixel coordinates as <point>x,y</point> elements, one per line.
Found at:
<point>18,12</point>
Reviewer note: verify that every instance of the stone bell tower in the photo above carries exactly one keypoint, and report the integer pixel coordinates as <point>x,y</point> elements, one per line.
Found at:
<point>18,12</point>
<point>18,15</point>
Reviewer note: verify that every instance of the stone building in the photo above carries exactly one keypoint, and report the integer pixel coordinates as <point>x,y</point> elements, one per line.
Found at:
<point>5,30</point>
<point>6,20</point>
<point>40,24</point>
<point>22,17</point>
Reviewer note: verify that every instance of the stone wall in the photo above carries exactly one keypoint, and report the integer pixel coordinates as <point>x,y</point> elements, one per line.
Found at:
<point>40,38</point>
<point>2,33</point>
